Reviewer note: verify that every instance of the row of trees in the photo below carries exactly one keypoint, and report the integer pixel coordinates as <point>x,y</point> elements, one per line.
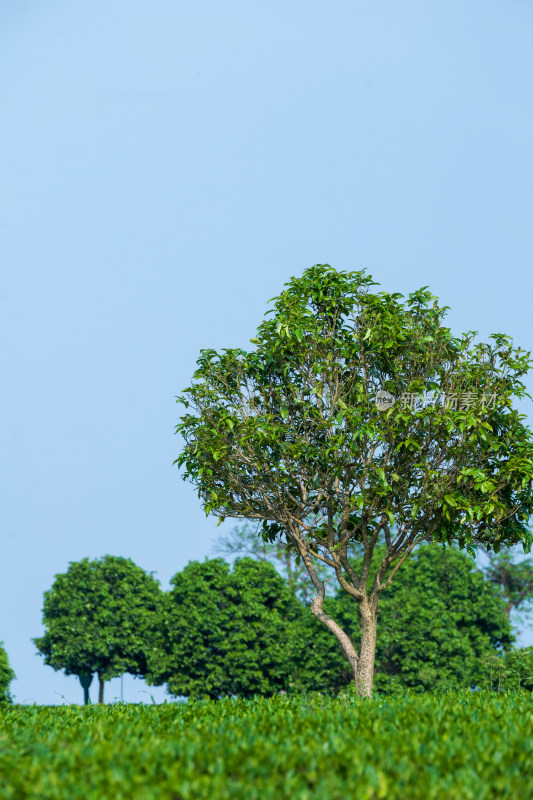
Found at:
<point>246,629</point>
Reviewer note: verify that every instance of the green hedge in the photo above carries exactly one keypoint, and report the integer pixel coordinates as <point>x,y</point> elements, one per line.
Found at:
<point>456,746</point>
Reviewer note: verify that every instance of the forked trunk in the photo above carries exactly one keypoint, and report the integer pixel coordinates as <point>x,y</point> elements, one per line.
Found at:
<point>362,663</point>
<point>100,689</point>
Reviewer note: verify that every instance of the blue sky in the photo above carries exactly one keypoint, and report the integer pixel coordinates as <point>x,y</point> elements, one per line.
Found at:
<point>165,168</point>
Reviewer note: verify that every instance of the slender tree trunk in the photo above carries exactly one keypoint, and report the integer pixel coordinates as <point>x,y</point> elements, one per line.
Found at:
<point>364,670</point>
<point>100,689</point>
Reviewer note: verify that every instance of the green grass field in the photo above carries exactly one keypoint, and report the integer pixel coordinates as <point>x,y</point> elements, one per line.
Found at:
<point>465,746</point>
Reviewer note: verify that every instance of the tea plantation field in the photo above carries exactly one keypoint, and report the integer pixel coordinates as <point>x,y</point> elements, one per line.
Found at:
<point>460,746</point>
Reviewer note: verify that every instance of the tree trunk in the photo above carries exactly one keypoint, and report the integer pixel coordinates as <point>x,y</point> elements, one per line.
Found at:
<point>85,680</point>
<point>362,663</point>
<point>100,689</point>
<point>364,670</point>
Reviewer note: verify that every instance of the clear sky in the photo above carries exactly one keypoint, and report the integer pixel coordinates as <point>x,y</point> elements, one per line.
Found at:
<point>165,167</point>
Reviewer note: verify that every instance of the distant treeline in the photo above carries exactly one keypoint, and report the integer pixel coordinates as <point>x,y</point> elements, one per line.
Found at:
<point>247,630</point>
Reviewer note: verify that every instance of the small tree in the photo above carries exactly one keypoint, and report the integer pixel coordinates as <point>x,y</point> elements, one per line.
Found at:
<point>224,632</point>
<point>327,434</point>
<point>513,579</point>
<point>99,616</point>
<point>6,676</point>
<point>518,667</point>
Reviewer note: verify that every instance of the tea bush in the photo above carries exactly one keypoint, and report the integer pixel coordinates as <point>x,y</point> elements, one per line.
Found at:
<point>454,746</point>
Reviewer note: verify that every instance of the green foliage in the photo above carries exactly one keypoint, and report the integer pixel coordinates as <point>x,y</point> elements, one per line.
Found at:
<point>6,676</point>
<point>317,662</point>
<point>241,633</point>
<point>459,746</point>
<point>519,669</point>
<point>224,632</point>
<point>292,428</point>
<point>98,618</point>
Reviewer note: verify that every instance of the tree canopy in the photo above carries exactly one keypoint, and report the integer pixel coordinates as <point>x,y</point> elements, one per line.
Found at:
<point>6,676</point>
<point>98,618</point>
<point>359,415</point>
<point>224,631</point>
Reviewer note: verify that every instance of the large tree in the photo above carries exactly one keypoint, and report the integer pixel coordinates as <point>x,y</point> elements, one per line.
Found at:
<point>359,415</point>
<point>223,631</point>
<point>6,676</point>
<point>98,618</point>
